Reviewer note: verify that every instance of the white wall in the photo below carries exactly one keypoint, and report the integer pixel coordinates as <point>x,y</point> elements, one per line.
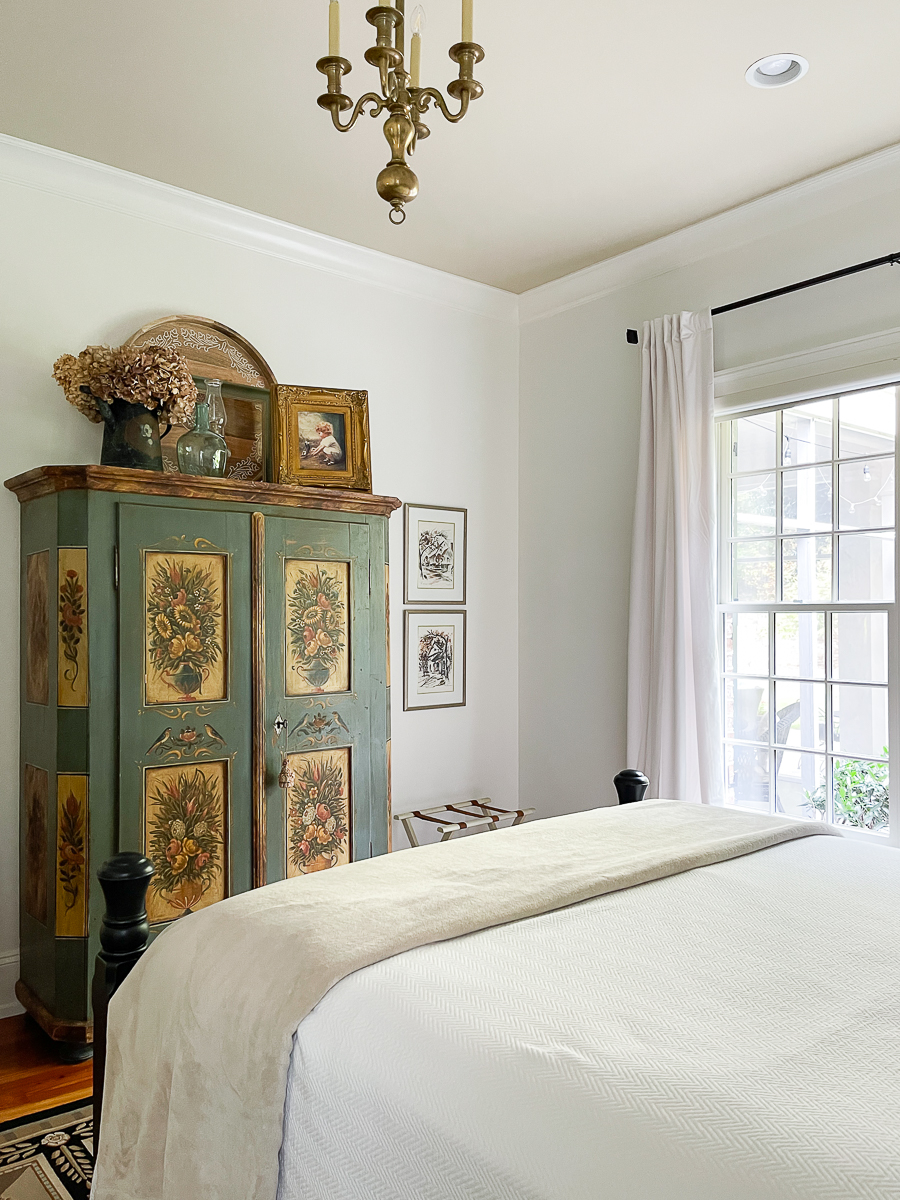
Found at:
<point>579,417</point>
<point>88,254</point>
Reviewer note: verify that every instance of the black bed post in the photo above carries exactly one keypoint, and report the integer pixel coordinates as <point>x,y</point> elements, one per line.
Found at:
<point>631,786</point>
<point>124,934</point>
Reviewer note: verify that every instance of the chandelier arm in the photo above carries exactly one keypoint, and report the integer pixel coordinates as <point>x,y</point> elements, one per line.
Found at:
<point>420,104</point>
<point>378,105</point>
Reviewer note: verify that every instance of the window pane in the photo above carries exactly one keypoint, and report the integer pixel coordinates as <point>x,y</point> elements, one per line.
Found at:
<point>754,505</point>
<point>800,715</point>
<point>800,645</point>
<point>867,422</point>
<point>753,571</point>
<point>859,647</point>
<point>806,500</point>
<point>866,566</point>
<point>861,794</point>
<point>860,720</point>
<point>800,785</point>
<point>806,569</point>
<point>753,443</point>
<point>866,491</point>
<point>747,709</point>
<point>806,433</point>
<point>747,643</point>
<point>747,777</point>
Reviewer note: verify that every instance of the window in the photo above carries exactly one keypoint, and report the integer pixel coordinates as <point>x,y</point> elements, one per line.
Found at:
<point>807,613</point>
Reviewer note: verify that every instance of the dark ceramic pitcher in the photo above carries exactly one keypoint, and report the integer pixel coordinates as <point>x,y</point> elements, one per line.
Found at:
<point>130,436</point>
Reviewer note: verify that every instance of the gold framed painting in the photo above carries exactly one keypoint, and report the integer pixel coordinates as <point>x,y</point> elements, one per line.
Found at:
<point>321,438</point>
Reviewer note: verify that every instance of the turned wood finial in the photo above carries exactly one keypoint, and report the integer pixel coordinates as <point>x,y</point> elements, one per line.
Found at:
<point>124,934</point>
<point>124,931</point>
<point>631,785</point>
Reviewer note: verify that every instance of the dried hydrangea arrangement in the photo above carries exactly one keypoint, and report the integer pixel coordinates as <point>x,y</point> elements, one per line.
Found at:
<point>156,377</point>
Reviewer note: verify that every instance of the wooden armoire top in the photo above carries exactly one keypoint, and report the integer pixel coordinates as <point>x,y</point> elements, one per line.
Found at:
<point>44,481</point>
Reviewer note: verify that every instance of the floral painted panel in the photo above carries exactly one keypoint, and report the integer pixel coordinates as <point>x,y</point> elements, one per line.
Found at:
<point>72,630</point>
<point>71,855</point>
<point>37,628</point>
<point>318,811</point>
<point>185,626</point>
<point>186,837</point>
<point>317,655</point>
<point>36,787</point>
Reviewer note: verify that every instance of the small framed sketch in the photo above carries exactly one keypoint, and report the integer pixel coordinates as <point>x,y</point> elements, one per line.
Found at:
<point>434,653</point>
<point>435,568</point>
<point>321,438</point>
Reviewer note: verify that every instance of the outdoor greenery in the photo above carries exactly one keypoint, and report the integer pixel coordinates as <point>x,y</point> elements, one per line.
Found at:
<point>861,796</point>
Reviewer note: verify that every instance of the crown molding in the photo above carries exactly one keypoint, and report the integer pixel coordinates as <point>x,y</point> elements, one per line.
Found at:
<point>58,173</point>
<point>857,362</point>
<point>829,191</point>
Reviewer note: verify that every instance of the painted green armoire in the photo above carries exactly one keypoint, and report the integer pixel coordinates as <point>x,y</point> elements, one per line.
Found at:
<point>204,679</point>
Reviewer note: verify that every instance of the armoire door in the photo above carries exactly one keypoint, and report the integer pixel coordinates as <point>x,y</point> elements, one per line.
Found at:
<point>185,731</point>
<point>317,697</point>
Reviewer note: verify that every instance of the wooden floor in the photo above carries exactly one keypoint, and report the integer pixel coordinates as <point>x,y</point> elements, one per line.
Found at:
<point>31,1076</point>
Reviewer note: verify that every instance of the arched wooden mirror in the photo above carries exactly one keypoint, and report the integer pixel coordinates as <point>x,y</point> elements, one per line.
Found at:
<point>213,351</point>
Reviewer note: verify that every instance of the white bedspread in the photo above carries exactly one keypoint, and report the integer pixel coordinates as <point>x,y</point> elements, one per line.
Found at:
<point>732,1033</point>
<point>199,1036</point>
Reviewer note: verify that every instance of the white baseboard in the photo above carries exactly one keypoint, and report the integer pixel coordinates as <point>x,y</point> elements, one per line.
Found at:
<point>9,973</point>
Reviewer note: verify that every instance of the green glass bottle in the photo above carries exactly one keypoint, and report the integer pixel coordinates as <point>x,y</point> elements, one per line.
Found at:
<point>201,451</point>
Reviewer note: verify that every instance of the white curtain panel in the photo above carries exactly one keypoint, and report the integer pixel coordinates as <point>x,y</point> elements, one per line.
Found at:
<point>674,734</point>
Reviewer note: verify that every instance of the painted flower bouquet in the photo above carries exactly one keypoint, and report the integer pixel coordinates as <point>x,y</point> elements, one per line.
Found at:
<point>183,611</point>
<point>186,837</point>
<point>317,815</point>
<point>71,621</point>
<point>71,850</point>
<point>316,625</point>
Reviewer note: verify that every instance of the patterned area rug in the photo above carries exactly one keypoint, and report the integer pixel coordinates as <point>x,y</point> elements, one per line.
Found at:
<point>49,1155</point>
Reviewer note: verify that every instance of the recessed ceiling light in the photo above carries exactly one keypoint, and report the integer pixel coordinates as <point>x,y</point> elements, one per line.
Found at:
<point>776,70</point>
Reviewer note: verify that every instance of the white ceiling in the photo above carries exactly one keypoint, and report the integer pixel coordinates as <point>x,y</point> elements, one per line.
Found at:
<point>602,125</point>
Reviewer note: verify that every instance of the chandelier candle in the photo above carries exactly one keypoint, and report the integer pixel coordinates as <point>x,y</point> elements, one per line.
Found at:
<point>334,28</point>
<point>415,46</point>
<point>401,95</point>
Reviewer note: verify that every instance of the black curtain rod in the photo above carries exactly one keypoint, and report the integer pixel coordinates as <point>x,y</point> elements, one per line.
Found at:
<point>887,260</point>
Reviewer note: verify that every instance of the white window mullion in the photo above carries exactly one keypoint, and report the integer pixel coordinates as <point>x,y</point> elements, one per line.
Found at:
<point>868,438</point>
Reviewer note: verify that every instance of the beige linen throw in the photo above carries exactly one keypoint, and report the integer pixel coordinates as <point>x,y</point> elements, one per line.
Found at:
<point>200,1033</point>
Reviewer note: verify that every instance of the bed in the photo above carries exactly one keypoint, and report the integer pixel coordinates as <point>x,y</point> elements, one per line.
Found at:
<point>726,1029</point>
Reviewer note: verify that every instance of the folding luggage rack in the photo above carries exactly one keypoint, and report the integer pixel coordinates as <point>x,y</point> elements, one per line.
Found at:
<point>479,814</point>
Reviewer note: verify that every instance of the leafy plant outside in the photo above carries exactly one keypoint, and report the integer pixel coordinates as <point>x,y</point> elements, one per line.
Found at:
<point>861,794</point>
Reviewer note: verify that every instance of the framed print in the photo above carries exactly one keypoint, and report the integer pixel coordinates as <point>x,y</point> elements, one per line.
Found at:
<point>435,554</point>
<point>434,659</point>
<point>321,438</point>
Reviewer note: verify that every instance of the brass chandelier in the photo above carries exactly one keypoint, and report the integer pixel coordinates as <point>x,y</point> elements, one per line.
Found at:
<point>401,96</point>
